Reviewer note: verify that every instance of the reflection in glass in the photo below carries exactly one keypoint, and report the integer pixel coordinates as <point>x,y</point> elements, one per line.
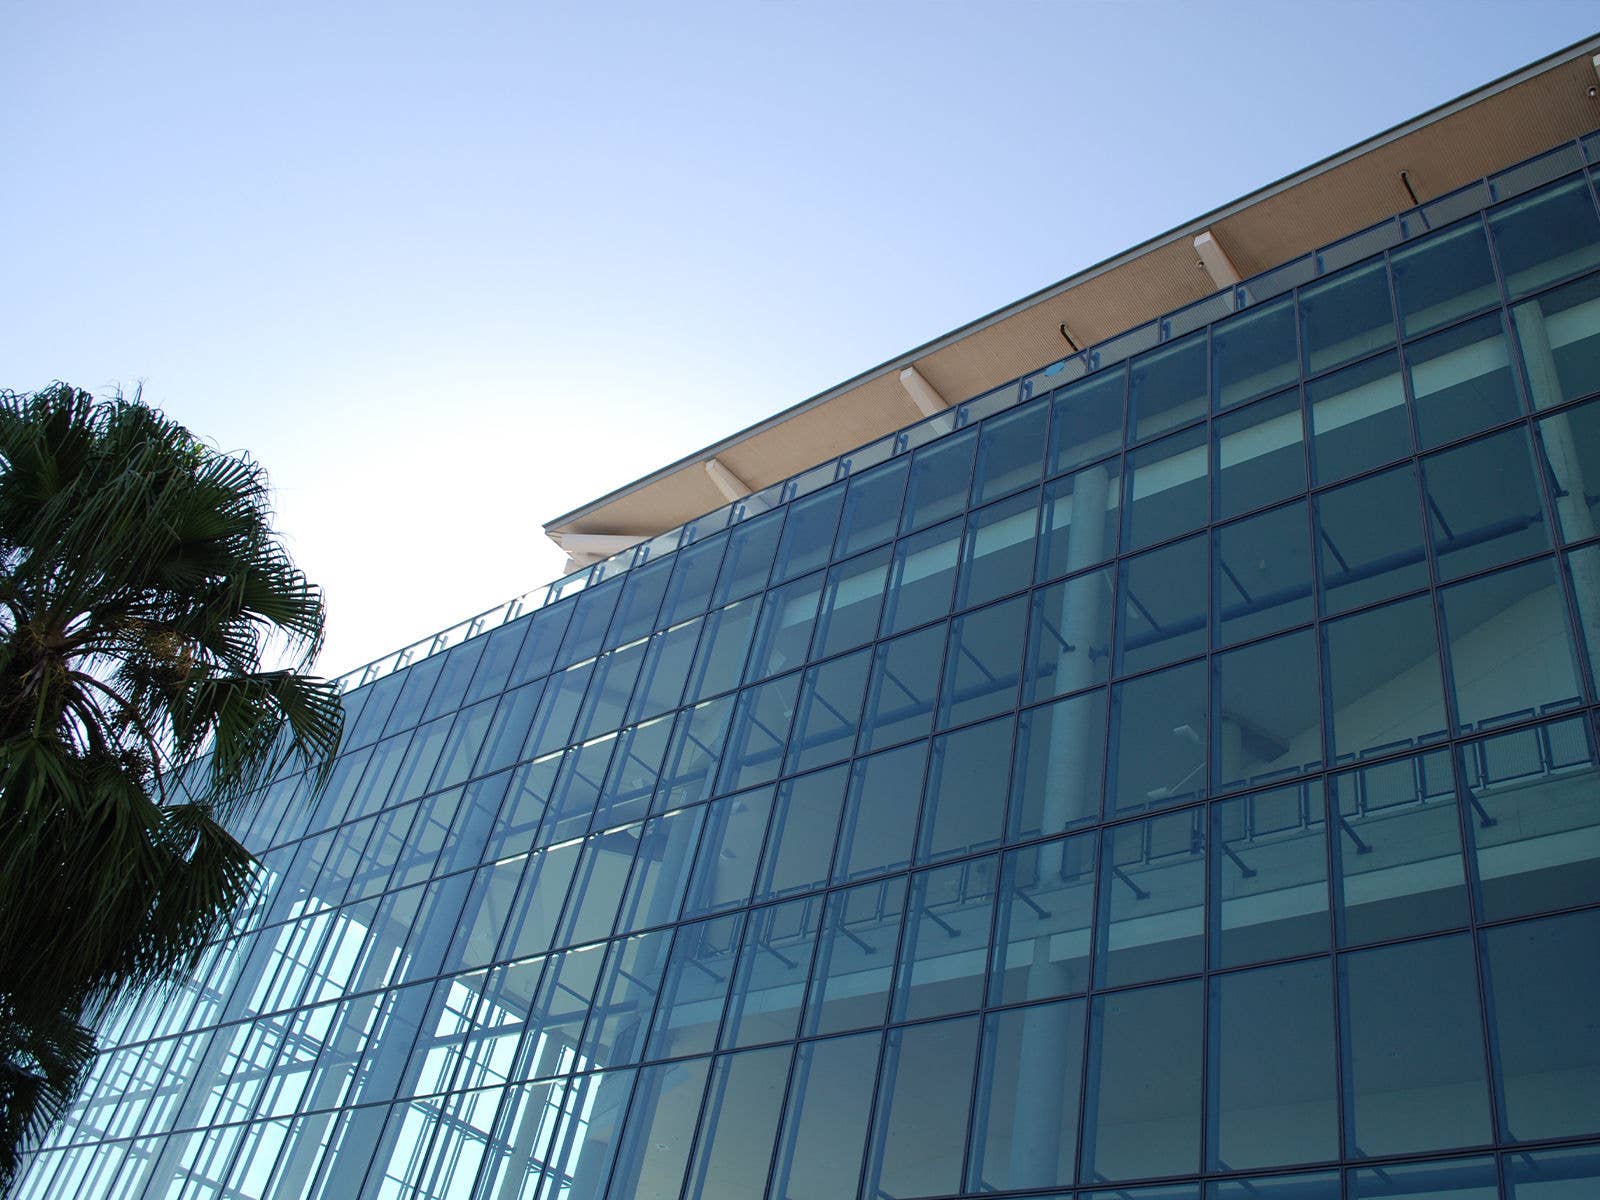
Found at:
<point>1358,419</point>
<point>945,948</point>
<point>1025,1127</point>
<point>1152,899</point>
<point>1260,454</point>
<point>826,1118</point>
<point>1461,381</point>
<point>1444,276</point>
<point>1080,518</point>
<point>1381,669</point>
<point>1269,875</point>
<point>1266,714</point>
<point>1483,504</point>
<point>1413,1085</point>
<point>1046,897</point>
<point>920,1130</point>
<point>1168,489</point>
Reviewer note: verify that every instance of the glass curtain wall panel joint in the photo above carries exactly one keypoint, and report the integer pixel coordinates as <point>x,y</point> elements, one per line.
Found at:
<point>1181,780</point>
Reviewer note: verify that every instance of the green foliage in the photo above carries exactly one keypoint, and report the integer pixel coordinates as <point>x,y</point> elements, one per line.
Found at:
<point>142,589</point>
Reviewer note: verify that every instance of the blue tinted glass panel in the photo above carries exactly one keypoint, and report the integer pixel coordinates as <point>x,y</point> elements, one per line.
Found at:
<point>724,646</point>
<point>922,578</point>
<point>919,1133</point>
<point>783,631</point>
<point>743,1103</point>
<point>1167,387</point>
<point>1069,636</point>
<point>1397,849</point>
<point>808,533</point>
<point>1158,739</point>
<point>1570,446</point>
<point>1483,504</point>
<point>748,560</point>
<point>641,601</point>
<point>1444,276</point>
<point>826,1118</point>
<point>1086,420</point>
<point>694,985</point>
<point>1144,1067</point>
<point>1254,353</point>
<point>1168,489</point>
<point>1347,317</point>
<point>730,851</point>
<point>1025,1127</point>
<point>805,823</point>
<point>1266,712</point>
<point>941,475</point>
<point>1163,612</point>
<point>1152,899</point>
<point>1059,766</point>
<point>829,712</point>
<point>1263,574</point>
<point>900,698</point>
<point>945,948</point>
<point>965,804</point>
<point>755,748</point>
<point>1461,381</point>
<point>694,573</point>
<point>981,663</point>
<point>590,619</point>
<point>1260,454</point>
<point>1369,540</point>
<point>1358,419</point>
<point>855,957</point>
<point>1546,236</point>
<point>1010,452</point>
<point>880,817</point>
<point>1413,1085</point>
<point>1079,520</point>
<point>852,600</point>
<point>769,982</point>
<point>1455,1179</point>
<point>1559,334</point>
<point>1381,672</point>
<point>1543,978</point>
<point>997,552</point>
<point>871,507</point>
<point>1269,875</point>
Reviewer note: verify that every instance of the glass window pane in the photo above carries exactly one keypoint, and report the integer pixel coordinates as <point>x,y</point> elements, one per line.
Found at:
<point>1358,419</point>
<point>635,768</point>
<point>1567,1174</point>
<point>625,998</point>
<point>1444,276</point>
<point>499,655</point>
<point>694,986</point>
<point>1414,1085</point>
<point>692,757</point>
<point>1461,381</point>
<point>1455,1179</point>
<point>1543,977</point>
<point>945,948</point>
<point>1260,454</point>
<point>1277,1095</point>
<point>1511,656</point>
<point>459,664</point>
<point>1080,520</point>
<point>1167,387</point>
<point>724,645</point>
<point>740,1125</point>
<point>748,561</point>
<point>1254,353</point>
<point>1010,452</point>
<point>694,574</point>
<point>641,601</point>
<point>1269,875</point>
<point>829,711</point>
<point>1059,766</point>
<point>826,1118</point>
<point>998,549</point>
<point>1158,739</point>
<point>1152,899</point>
<point>1397,849</point>
<point>1069,636</point>
<point>1086,420</point>
<point>871,507</point>
<point>760,730</point>
<point>900,698</point>
<point>1267,714</point>
<point>783,631</point>
<point>1534,816</point>
<point>1346,317</point>
<point>595,1106</point>
<point>941,475</point>
<point>920,1132</point>
<point>1168,489</point>
<point>552,723</point>
<point>1583,571</point>
<point>880,818</point>
<point>922,578</point>
<point>661,872</point>
<point>1571,444</point>
<point>546,630</point>
<point>590,620</point>
<point>1546,236</point>
<point>1559,333</point>
<point>1322,1185</point>
<point>855,957</point>
<point>1263,574</point>
<point>730,851</point>
<point>805,823</point>
<point>981,663</point>
<point>655,1149</point>
<point>1025,1131</point>
<point>808,533</point>
<point>1381,669</point>
<point>966,800</point>
<point>1369,540</point>
<point>610,689</point>
<point>1163,612</point>
<point>1483,504</point>
<point>1144,1066</point>
<point>769,982</point>
<point>667,661</point>
<point>577,790</point>
<point>598,884</point>
<point>851,602</point>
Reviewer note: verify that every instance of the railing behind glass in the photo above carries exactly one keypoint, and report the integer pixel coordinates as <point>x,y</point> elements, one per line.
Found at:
<point>1268,285</point>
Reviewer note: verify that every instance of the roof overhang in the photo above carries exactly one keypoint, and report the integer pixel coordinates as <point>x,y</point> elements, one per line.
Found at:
<point>1543,104</point>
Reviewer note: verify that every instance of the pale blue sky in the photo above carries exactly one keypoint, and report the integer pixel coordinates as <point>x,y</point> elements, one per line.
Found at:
<point>451,269</point>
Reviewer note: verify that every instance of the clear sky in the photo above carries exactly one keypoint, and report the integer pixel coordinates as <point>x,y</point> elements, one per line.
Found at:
<point>450,269</point>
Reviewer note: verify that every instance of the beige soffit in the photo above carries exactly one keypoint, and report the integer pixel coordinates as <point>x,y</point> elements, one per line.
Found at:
<point>1548,102</point>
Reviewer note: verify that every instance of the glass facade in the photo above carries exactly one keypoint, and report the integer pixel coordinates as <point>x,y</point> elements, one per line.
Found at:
<point>1180,783</point>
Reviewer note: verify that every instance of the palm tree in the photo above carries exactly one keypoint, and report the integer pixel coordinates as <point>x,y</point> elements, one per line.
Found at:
<point>142,590</point>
